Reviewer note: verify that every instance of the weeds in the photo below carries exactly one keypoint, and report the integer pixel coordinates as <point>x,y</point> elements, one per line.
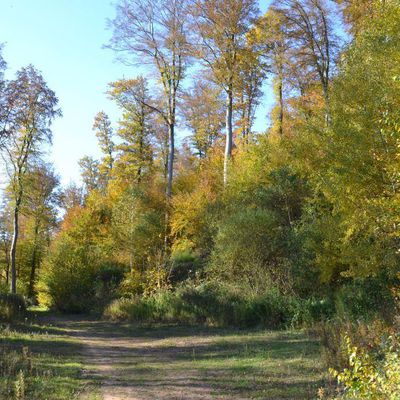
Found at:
<point>35,366</point>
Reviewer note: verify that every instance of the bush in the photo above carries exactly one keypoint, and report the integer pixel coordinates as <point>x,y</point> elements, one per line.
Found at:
<point>153,308</point>
<point>272,310</point>
<point>367,335</point>
<point>248,247</point>
<point>371,375</point>
<point>208,303</point>
<point>12,306</point>
<point>107,282</point>
<point>212,304</point>
<point>309,312</point>
<point>73,276</point>
<point>366,299</point>
<point>184,266</point>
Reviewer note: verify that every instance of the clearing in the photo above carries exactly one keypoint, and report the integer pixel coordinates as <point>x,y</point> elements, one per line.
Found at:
<point>125,361</point>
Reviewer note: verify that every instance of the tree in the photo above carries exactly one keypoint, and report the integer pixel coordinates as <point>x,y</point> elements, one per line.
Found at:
<point>352,225</point>
<point>221,27</point>
<point>203,109</point>
<point>72,196</point>
<point>155,32</point>
<point>3,113</point>
<point>312,40</point>
<point>90,173</point>
<point>2,65</point>
<point>31,107</point>
<point>40,206</point>
<point>135,128</point>
<point>104,133</point>
<point>358,13</point>
<point>270,35</point>
<point>251,75</point>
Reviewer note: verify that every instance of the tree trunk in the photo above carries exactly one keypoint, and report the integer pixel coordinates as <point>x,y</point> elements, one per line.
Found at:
<point>13,250</point>
<point>171,154</point>
<point>327,104</point>
<point>7,270</point>
<point>170,175</point>
<point>280,94</point>
<point>229,133</point>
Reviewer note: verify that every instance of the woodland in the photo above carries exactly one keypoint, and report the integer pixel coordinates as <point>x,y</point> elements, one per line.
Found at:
<point>191,217</point>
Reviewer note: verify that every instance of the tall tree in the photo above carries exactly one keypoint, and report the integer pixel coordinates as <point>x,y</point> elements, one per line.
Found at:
<point>3,113</point>
<point>104,133</point>
<point>271,37</point>
<point>251,75</point>
<point>203,109</point>
<point>90,173</point>
<point>222,26</point>
<point>155,32</point>
<point>358,14</point>
<point>312,40</point>
<point>72,196</point>
<point>31,106</point>
<point>40,206</point>
<point>135,128</point>
<point>2,64</point>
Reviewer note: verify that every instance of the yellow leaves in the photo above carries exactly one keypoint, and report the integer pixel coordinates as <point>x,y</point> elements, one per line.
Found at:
<point>368,378</point>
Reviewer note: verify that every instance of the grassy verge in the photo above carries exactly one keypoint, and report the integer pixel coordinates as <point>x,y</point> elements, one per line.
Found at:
<point>269,366</point>
<point>39,362</point>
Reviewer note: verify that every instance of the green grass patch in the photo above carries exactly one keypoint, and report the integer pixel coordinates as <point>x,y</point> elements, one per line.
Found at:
<point>236,364</point>
<point>39,362</point>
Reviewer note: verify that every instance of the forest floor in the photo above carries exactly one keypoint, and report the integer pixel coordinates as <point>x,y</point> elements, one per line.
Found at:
<point>125,361</point>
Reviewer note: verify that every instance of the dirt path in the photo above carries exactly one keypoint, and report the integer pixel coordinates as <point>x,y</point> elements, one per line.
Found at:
<point>191,363</point>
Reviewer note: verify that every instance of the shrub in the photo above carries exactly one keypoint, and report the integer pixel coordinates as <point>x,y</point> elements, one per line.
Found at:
<point>374,375</point>
<point>272,310</point>
<point>153,308</point>
<point>12,306</point>
<point>207,303</point>
<point>212,304</point>
<point>366,299</point>
<point>107,282</point>
<point>184,265</point>
<point>69,277</point>
<point>368,335</point>
<point>309,312</point>
<point>248,246</point>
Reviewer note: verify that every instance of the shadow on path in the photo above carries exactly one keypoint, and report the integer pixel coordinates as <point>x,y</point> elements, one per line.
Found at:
<point>178,362</point>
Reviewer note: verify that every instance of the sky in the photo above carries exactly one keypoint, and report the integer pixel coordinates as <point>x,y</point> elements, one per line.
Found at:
<point>64,39</point>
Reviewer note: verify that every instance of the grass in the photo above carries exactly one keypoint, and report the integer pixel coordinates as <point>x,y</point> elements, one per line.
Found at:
<point>269,365</point>
<point>158,361</point>
<point>38,362</point>
<point>213,362</point>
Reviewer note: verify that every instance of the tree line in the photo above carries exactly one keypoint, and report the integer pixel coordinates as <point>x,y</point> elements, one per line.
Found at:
<point>307,207</point>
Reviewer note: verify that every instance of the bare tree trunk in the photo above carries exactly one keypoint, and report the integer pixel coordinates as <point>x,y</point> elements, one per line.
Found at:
<point>229,133</point>
<point>171,154</point>
<point>13,250</point>
<point>170,175</point>
<point>280,95</point>
<point>7,269</point>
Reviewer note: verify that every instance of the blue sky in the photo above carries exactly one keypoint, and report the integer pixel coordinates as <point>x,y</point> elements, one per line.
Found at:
<point>64,39</point>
